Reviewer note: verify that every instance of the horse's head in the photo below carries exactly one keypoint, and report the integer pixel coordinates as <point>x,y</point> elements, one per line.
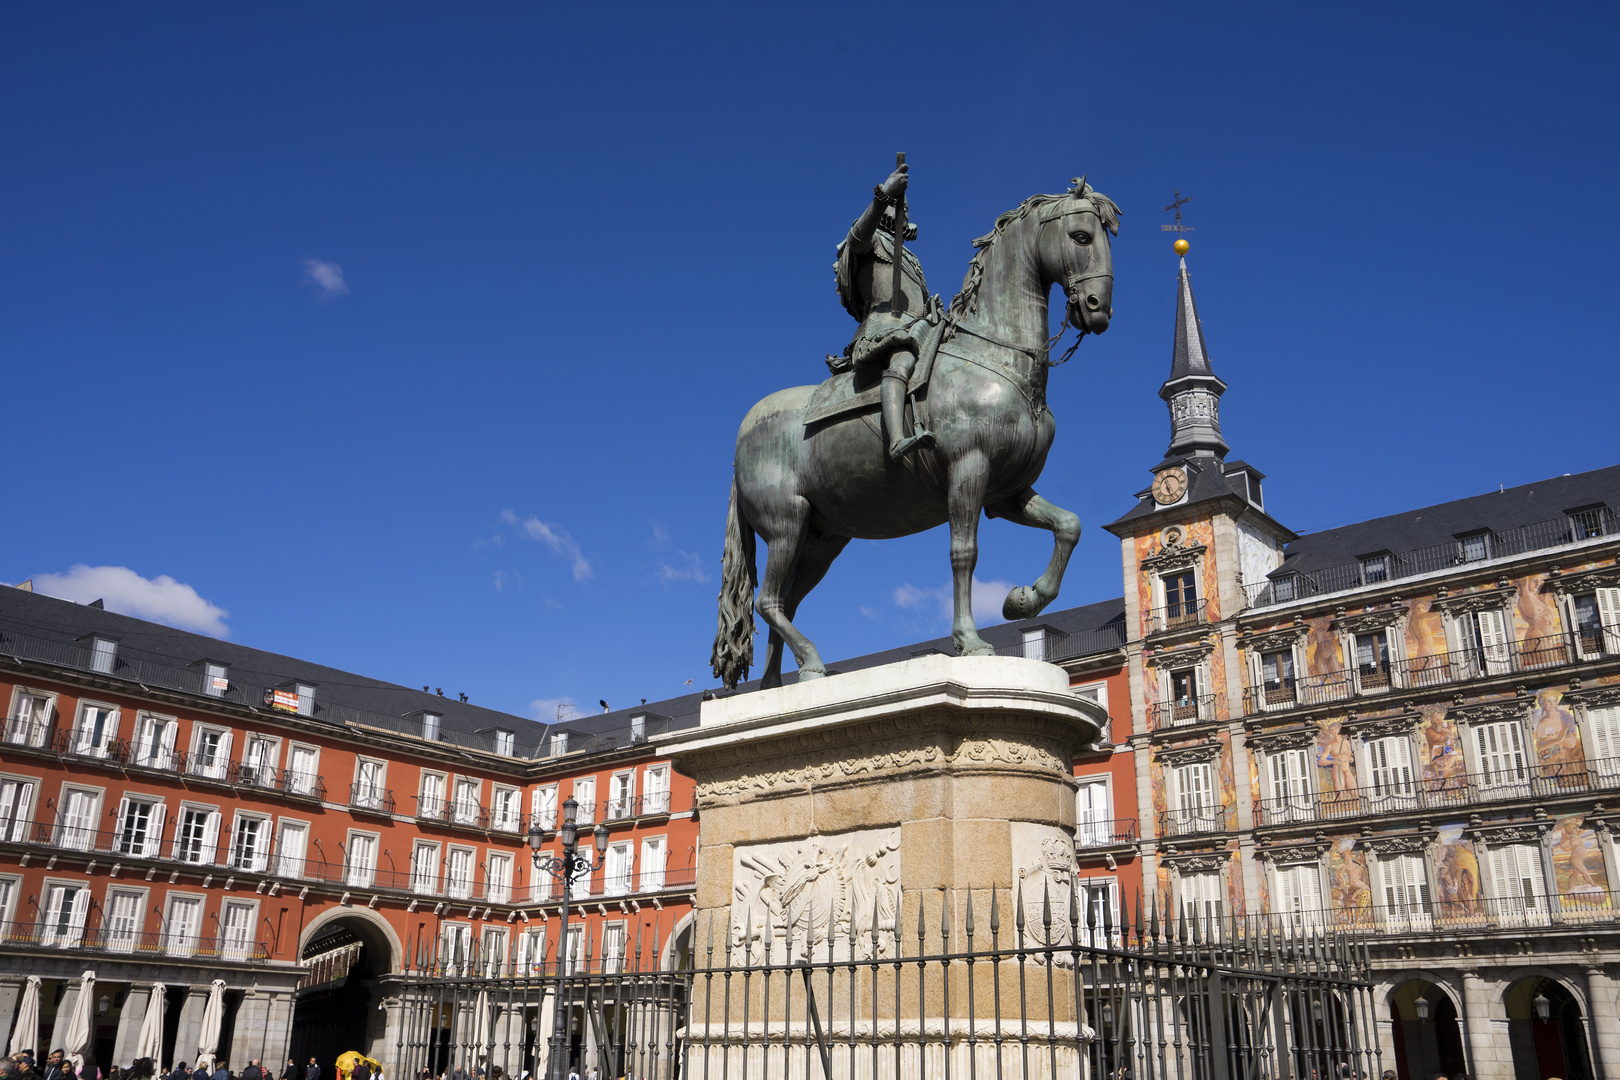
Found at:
<point>1074,252</point>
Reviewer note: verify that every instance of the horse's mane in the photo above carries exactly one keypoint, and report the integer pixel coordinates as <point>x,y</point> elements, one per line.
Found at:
<point>966,300</point>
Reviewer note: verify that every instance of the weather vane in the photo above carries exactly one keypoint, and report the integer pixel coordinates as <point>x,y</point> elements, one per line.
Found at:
<point>1181,230</point>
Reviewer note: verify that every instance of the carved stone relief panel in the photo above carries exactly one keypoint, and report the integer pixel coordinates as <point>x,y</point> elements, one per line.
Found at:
<point>810,898</point>
<point>1043,859</point>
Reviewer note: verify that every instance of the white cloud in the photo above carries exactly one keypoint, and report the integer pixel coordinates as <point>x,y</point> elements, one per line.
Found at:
<point>690,570</point>
<point>160,599</point>
<point>941,602</point>
<point>327,277</point>
<point>505,579</point>
<point>554,537</point>
<point>550,709</point>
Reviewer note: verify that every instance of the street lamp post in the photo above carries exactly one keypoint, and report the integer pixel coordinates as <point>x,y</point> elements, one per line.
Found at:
<point>565,868</point>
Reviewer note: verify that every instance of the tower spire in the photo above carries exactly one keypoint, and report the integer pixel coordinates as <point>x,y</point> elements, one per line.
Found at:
<point>1192,391</point>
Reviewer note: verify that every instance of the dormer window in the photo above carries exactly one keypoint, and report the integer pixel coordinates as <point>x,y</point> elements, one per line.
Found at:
<point>103,652</point>
<point>1285,587</point>
<point>505,742</point>
<point>1375,568</point>
<point>638,729</point>
<point>430,726</point>
<point>559,744</point>
<point>216,679</point>
<point>1038,642</point>
<point>1475,547</point>
<point>1587,522</point>
<point>306,699</point>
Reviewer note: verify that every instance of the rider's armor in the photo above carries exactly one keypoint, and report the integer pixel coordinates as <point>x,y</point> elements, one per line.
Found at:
<point>887,339</point>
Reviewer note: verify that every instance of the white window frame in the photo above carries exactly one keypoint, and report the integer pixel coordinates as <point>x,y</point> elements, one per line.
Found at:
<point>300,782</point>
<point>87,743</point>
<point>655,789</point>
<point>258,860</point>
<point>143,753</point>
<point>654,862</point>
<point>433,806</point>
<point>1091,827</point>
<point>181,939</point>
<point>1256,660</point>
<point>1388,771</point>
<point>1297,893</point>
<point>425,867</point>
<point>1606,600</point>
<point>530,959</point>
<point>218,768</point>
<point>10,888</point>
<point>78,832</point>
<point>1481,642</point>
<point>359,873</point>
<point>456,947</point>
<point>586,814</point>
<point>30,729</point>
<point>1193,807</point>
<point>1203,702</point>
<point>1290,784</point>
<point>615,932</point>
<point>1394,649</point>
<point>497,886</point>
<point>466,800</point>
<point>1161,596</point>
<point>1403,891</point>
<point>259,767</point>
<point>291,863</point>
<point>617,880</point>
<point>209,841</point>
<point>1512,868</point>
<point>18,805</point>
<point>492,950</point>
<point>505,809</point>
<point>539,885</point>
<point>151,845</point>
<point>505,742</point>
<point>1092,892</point>
<point>621,795</point>
<point>370,782</point>
<point>1600,736</point>
<point>575,945</point>
<point>456,887</point>
<point>236,936</point>
<point>1202,893</point>
<point>1500,755</point>
<point>62,914</point>
<point>539,812</point>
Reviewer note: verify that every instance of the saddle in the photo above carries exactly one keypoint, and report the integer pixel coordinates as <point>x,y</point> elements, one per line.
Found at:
<point>858,390</point>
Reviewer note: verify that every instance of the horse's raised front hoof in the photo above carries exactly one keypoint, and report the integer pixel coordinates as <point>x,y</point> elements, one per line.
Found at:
<point>1022,603</point>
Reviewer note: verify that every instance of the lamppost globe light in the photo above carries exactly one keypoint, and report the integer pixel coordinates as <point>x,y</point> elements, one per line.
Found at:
<point>569,834</point>
<point>536,837</point>
<point>1421,1007</point>
<point>1543,1006</point>
<point>601,837</point>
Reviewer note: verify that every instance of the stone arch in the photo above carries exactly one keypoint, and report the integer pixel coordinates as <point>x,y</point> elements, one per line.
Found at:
<point>1513,976</point>
<point>1561,1044</point>
<point>1384,993</point>
<point>1428,1027</point>
<point>365,922</point>
<point>686,925</point>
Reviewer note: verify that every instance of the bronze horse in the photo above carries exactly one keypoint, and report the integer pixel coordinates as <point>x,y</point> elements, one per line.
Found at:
<point>808,490</point>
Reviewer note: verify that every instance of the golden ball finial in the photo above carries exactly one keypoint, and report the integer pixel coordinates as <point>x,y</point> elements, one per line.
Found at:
<point>1181,246</point>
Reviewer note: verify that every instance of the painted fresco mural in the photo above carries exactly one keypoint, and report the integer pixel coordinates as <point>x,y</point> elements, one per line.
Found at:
<point>1322,652</point>
<point>1440,753</point>
<point>1536,614</point>
<point>1557,739</point>
<point>1456,872</point>
<point>1578,863</point>
<point>1262,890</point>
<point>1226,781</point>
<point>1335,758</point>
<point>1425,632</point>
<point>1349,883</point>
<point>1234,882</point>
<point>1197,532</point>
<point>1161,802</point>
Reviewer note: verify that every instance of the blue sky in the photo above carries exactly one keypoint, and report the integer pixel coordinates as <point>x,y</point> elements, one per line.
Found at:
<point>413,338</point>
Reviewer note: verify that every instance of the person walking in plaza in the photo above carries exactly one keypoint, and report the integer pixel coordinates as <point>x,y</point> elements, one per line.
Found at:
<point>313,1071</point>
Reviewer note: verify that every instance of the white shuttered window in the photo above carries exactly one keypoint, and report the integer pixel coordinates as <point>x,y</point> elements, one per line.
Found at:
<point>1517,882</point>
<point>1500,749</point>
<point>1299,893</point>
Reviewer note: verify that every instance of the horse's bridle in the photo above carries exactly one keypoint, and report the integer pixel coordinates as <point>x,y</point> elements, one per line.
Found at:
<point>1072,277</point>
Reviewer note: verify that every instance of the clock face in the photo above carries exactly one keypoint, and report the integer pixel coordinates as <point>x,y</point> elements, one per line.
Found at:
<point>1169,486</point>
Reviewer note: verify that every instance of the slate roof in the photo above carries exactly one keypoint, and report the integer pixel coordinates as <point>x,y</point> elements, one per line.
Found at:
<point>1497,511</point>
<point>1188,355</point>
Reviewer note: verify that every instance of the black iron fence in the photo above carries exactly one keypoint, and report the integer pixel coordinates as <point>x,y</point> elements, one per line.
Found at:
<point>945,986</point>
<point>1581,526</point>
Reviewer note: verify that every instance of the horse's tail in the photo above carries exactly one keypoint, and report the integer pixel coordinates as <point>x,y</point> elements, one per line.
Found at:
<point>734,638</point>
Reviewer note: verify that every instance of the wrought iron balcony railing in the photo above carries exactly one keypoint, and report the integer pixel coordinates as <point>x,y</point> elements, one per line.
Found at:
<point>1436,669</point>
<point>1179,616</point>
<point>1519,780</point>
<point>1120,832</point>
<point>1567,529</point>
<point>1193,821</point>
<point>371,799</point>
<point>1183,712</point>
<point>117,941</point>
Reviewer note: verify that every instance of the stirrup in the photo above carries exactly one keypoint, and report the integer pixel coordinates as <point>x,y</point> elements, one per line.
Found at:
<point>922,440</point>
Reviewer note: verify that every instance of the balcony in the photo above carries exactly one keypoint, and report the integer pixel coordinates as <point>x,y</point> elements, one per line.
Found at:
<point>1196,821</point>
<point>1438,669</point>
<point>1184,713</point>
<point>1093,836</point>
<point>371,799</point>
<point>1178,616</point>
<point>1589,907</point>
<point>638,807</point>
<point>100,940</point>
<point>1452,793</point>
<point>1565,530</point>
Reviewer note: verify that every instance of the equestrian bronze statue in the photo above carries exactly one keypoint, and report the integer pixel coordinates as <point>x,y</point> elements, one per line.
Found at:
<point>930,416</point>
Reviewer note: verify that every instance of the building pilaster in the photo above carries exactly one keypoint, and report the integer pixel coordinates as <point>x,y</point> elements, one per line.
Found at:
<point>129,1025</point>
<point>1482,1055</point>
<point>10,993</point>
<point>189,1029</point>
<point>1605,1024</point>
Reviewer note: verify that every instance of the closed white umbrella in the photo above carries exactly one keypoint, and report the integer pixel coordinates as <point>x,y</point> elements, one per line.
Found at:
<point>480,1022</point>
<point>150,1042</point>
<point>77,1039</point>
<point>213,1019</point>
<point>25,1036</point>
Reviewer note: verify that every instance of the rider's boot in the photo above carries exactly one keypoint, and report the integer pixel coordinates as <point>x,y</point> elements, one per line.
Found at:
<point>894,410</point>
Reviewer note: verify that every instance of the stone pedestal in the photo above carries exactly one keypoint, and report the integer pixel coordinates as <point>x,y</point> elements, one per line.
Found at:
<point>843,815</point>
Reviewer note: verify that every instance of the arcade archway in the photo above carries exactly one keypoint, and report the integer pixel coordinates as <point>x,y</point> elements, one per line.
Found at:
<point>346,957</point>
<point>1547,1031</point>
<point>1427,1035</point>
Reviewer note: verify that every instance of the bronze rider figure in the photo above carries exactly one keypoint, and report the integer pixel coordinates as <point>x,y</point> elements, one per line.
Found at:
<point>890,327</point>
